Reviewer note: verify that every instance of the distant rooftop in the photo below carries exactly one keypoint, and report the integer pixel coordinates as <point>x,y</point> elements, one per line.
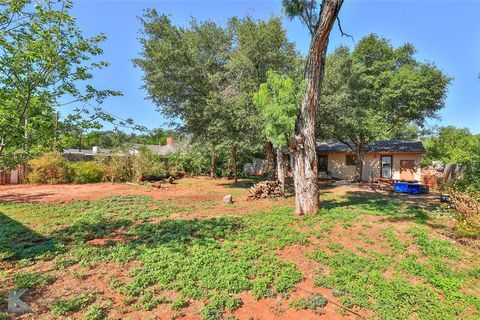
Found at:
<point>170,147</point>
<point>77,151</point>
<point>158,149</point>
<point>378,146</point>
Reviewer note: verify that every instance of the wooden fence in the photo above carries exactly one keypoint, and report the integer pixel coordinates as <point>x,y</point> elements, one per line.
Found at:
<point>19,175</point>
<point>5,176</point>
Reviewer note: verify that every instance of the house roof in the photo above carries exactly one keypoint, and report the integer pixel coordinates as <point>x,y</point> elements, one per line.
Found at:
<point>158,149</point>
<point>76,151</point>
<point>390,146</point>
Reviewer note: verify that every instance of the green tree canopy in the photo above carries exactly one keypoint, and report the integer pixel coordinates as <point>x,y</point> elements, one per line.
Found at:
<point>204,76</point>
<point>181,66</point>
<point>44,60</point>
<point>451,145</point>
<point>279,101</point>
<point>372,91</point>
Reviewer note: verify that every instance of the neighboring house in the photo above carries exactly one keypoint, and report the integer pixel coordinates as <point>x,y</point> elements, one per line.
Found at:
<point>170,147</point>
<point>88,154</point>
<point>396,160</point>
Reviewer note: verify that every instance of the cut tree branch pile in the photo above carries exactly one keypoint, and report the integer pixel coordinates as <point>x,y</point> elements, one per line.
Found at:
<point>265,189</point>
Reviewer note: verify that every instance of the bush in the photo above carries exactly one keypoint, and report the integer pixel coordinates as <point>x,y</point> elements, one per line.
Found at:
<point>118,167</point>
<point>87,172</point>
<point>50,168</point>
<point>466,211</point>
<point>147,163</point>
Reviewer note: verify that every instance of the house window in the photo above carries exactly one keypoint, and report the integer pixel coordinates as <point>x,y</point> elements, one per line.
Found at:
<point>351,160</point>
<point>322,163</point>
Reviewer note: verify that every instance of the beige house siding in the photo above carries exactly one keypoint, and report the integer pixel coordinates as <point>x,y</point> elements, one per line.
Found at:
<point>339,170</point>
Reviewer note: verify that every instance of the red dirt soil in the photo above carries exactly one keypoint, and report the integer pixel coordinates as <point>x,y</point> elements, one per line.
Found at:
<point>205,196</point>
<point>196,192</point>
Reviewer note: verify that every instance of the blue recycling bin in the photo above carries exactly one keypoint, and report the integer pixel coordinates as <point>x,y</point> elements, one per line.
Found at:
<point>414,188</point>
<point>400,187</point>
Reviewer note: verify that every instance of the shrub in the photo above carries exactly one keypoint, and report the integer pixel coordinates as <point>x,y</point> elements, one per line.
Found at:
<point>118,167</point>
<point>87,172</point>
<point>50,168</point>
<point>466,211</point>
<point>147,163</point>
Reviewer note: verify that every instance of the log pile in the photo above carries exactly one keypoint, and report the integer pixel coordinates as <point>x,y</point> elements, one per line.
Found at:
<point>265,189</point>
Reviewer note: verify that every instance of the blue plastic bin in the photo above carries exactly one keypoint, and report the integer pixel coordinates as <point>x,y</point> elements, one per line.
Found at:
<point>414,188</point>
<point>401,187</point>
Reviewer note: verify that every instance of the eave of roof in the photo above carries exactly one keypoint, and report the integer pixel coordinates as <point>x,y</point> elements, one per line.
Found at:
<point>386,146</point>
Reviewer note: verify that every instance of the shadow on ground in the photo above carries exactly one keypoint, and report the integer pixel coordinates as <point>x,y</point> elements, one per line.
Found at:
<point>17,241</point>
<point>393,207</point>
<point>23,197</point>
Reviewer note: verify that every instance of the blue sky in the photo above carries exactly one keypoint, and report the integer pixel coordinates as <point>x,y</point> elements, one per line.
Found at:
<point>444,32</point>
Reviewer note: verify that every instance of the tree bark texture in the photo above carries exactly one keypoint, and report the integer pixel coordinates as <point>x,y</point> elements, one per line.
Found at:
<point>271,166</point>
<point>360,153</point>
<point>359,166</point>
<point>235,161</point>
<point>281,169</point>
<point>303,144</point>
<point>213,164</point>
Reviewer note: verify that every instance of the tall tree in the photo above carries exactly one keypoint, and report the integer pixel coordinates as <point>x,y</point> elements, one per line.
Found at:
<point>451,145</point>
<point>181,68</point>
<point>44,59</point>
<point>303,144</point>
<point>205,76</point>
<point>261,45</point>
<point>375,91</point>
<point>279,101</point>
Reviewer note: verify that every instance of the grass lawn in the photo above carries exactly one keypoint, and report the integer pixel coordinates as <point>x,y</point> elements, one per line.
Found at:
<point>175,255</point>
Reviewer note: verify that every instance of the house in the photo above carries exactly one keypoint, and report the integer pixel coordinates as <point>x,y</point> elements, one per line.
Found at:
<point>170,147</point>
<point>89,154</point>
<point>396,160</point>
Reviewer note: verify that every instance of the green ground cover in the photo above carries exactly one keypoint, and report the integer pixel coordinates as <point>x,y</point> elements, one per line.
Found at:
<point>417,274</point>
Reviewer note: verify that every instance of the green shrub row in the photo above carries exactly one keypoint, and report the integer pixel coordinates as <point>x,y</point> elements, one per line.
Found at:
<point>53,168</point>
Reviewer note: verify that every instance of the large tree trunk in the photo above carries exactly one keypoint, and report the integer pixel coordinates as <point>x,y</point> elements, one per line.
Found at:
<point>270,156</point>
<point>281,169</point>
<point>235,160</point>
<point>3,144</point>
<point>359,167</point>
<point>213,164</point>
<point>303,145</point>
<point>360,154</point>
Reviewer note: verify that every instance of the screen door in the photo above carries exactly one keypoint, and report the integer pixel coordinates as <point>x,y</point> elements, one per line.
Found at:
<point>386,167</point>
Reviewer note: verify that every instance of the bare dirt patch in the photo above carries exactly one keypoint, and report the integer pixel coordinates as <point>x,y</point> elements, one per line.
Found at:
<point>195,197</point>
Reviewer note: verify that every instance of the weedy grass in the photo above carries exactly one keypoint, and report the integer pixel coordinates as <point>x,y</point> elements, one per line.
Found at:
<point>31,280</point>
<point>427,286</point>
<point>312,302</point>
<point>211,261</point>
<point>208,260</point>
<point>96,312</point>
<point>71,305</point>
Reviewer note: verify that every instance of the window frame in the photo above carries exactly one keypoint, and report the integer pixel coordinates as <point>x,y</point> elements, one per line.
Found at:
<point>347,162</point>
<point>325,156</point>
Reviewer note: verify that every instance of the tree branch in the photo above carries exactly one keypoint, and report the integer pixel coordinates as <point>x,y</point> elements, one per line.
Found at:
<point>341,30</point>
